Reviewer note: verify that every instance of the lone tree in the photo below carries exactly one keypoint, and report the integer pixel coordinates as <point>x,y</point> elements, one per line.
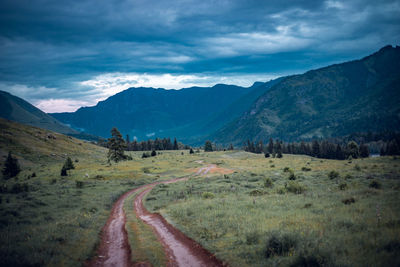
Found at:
<point>208,146</point>
<point>116,146</point>
<point>191,151</point>
<point>352,149</point>
<point>11,167</point>
<point>68,165</point>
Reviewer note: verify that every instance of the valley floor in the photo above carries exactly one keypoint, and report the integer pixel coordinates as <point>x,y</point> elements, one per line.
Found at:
<point>244,209</point>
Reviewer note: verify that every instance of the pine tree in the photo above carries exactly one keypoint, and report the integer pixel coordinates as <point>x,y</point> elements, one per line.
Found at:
<point>339,153</point>
<point>63,171</point>
<point>352,149</point>
<point>208,146</point>
<point>231,147</point>
<point>191,151</point>
<point>392,148</point>
<point>11,167</point>
<point>364,151</point>
<point>271,146</point>
<point>116,146</point>
<point>69,165</point>
<point>315,149</point>
<point>175,144</point>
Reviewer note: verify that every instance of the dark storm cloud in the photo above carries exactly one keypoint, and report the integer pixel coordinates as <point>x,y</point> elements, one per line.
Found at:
<point>57,44</point>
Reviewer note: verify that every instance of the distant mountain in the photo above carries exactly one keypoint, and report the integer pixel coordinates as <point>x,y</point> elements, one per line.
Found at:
<point>148,113</point>
<point>16,109</point>
<point>357,96</point>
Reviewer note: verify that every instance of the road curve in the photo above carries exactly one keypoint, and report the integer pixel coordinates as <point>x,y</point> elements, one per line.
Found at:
<point>114,249</point>
<point>180,249</point>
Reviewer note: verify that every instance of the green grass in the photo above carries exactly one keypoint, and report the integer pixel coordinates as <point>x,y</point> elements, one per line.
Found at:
<point>240,216</point>
<point>238,221</point>
<point>145,247</point>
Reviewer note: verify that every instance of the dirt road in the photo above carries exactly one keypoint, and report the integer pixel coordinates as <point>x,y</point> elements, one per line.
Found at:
<point>114,249</point>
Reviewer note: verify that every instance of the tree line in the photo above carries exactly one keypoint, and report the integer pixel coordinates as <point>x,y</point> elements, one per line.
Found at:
<point>319,149</point>
<point>156,144</point>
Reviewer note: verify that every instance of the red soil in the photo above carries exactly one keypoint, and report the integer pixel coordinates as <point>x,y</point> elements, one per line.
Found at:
<point>114,249</point>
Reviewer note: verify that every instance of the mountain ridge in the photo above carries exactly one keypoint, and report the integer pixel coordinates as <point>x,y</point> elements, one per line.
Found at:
<point>17,109</point>
<point>359,95</point>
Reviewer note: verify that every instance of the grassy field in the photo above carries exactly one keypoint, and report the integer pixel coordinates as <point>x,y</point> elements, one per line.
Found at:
<point>290,211</point>
<point>46,219</point>
<point>285,211</point>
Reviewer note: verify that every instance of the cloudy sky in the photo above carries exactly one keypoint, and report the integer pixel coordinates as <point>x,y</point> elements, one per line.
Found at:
<point>61,55</point>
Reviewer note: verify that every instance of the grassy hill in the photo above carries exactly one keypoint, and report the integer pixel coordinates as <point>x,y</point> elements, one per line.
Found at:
<point>16,109</point>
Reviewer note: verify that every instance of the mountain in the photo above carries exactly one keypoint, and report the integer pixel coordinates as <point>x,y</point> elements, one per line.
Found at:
<point>357,96</point>
<point>16,109</point>
<point>149,113</point>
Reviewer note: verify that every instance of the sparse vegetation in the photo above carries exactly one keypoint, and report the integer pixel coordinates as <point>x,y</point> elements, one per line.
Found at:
<point>241,216</point>
<point>333,175</point>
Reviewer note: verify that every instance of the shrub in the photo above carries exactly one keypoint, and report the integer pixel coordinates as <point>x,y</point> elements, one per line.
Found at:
<point>343,186</point>
<point>252,238</point>
<point>357,167</point>
<point>11,167</point>
<point>348,177</point>
<point>272,166</point>
<point>295,187</point>
<point>19,188</point>
<point>76,160</point>
<point>348,201</point>
<point>256,192</point>
<point>33,174</point>
<point>53,181</point>
<point>333,175</point>
<point>281,190</point>
<point>313,259</point>
<point>146,170</point>
<point>375,184</point>
<point>280,244</point>
<point>307,205</point>
<point>287,169</point>
<point>266,155</point>
<point>68,164</point>
<point>292,176</point>
<point>268,182</point>
<point>79,184</point>
<point>191,151</point>
<point>207,195</point>
<point>153,153</point>
<point>392,246</point>
<point>145,155</point>
<point>305,169</point>
<point>63,171</point>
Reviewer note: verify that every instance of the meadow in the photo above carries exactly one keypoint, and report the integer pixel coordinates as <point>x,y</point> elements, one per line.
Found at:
<point>250,210</point>
<point>294,211</point>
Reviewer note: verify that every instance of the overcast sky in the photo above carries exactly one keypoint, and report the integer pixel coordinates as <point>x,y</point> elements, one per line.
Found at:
<point>61,55</point>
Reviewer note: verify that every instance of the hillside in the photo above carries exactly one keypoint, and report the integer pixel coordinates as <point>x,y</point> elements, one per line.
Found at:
<point>16,109</point>
<point>149,113</point>
<point>32,145</point>
<point>357,96</point>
